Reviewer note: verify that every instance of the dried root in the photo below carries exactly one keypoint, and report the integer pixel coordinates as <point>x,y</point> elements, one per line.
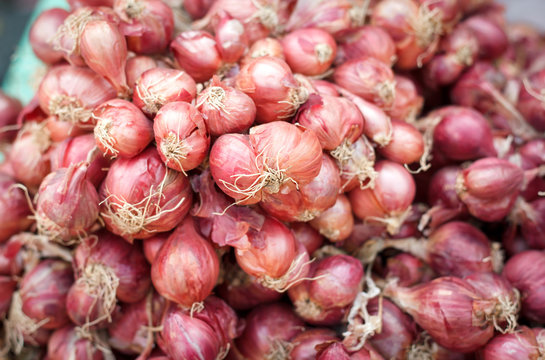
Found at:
<point>102,134</point>
<point>72,28</point>
<point>280,350</point>
<point>323,52</point>
<point>421,350</point>
<point>69,109</point>
<point>362,168</point>
<point>266,16</point>
<point>215,97</point>
<point>505,312</point>
<point>290,278</point>
<point>393,222</point>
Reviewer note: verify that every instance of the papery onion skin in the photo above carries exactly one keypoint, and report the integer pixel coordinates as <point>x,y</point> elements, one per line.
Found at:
<point>443,198</point>
<point>408,269</point>
<point>150,182</point>
<point>225,109</point>
<point>306,235</point>
<point>197,8</point>
<point>231,39</point>
<point>524,271</point>
<point>529,103</point>
<point>42,32</point>
<point>181,136</point>
<point>305,343</point>
<point>75,150</point>
<point>173,271</point>
<point>492,39</point>
<point>157,87</point>
<point>65,343</point>
<point>309,51</point>
<point>121,129</point>
<point>337,222</point>
<point>14,209</point>
<point>152,245</point>
<point>136,66</point>
<point>520,345</point>
<point>331,16</point>
<point>368,40</point>
<point>268,326</point>
<point>197,54</point>
<point>264,47</point>
<point>10,108</point>
<point>43,293</point>
<point>406,146</point>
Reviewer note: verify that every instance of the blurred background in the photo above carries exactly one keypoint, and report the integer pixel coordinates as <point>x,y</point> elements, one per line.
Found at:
<point>15,14</point>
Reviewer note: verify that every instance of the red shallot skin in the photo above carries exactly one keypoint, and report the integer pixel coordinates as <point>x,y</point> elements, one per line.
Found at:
<point>447,308</point>
<point>490,285</point>
<point>68,204</point>
<point>525,272</point>
<point>75,150</point>
<point>187,337</point>
<point>174,272</point>
<point>491,37</point>
<point>309,200</point>
<point>305,343</point>
<point>129,333</point>
<point>398,331</point>
<point>333,120</point>
<point>337,222</point>
<point>158,86</point>
<point>65,343</point>
<point>309,51</point>
<point>462,134</point>
<point>136,66</point>
<point>225,109</point>
<point>307,236</point>
<point>270,83</point>
<point>76,4</point>
<point>43,293</point>
<point>489,188</point>
<point>531,155</point>
<point>267,327</point>
<point>30,155</point>
<point>8,285</point>
<point>10,108</point>
<point>152,245</point>
<point>333,351</point>
<point>324,87</point>
<point>331,16</point>
<point>263,47</point>
<point>222,318</point>
<point>62,130</point>
<point>369,78</point>
<point>530,101</point>
<point>242,291</point>
<point>71,93</point>
<point>196,53</point>
<point>166,207</point>
<point>357,169</point>
<point>148,25</point>
<point>443,198</point>
<point>367,40</point>
<point>407,268</point>
<point>11,259</point>
<point>231,39</point>
<point>391,197</point>
<point>42,32</point>
<point>408,101</point>
<point>14,208</point>
<point>181,136</point>
<point>84,307</point>
<point>104,50</point>
<point>271,251</point>
<point>121,129</point>
<point>125,260</point>
<point>519,345</point>
<point>406,145</point>
<point>197,8</point>
<point>460,249</point>
<point>532,225</point>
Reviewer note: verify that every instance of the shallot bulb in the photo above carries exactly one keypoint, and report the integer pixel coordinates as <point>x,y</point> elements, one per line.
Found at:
<point>157,87</point>
<point>71,93</point>
<point>271,85</point>
<point>263,47</point>
<point>337,222</point>
<point>272,157</point>
<point>152,245</point>
<point>197,54</point>
<point>107,268</point>
<point>309,51</point>
<point>525,271</point>
<point>10,108</point>
<point>231,39</point>
<point>455,248</point>
<point>273,256</point>
<point>104,50</point>
<point>307,236</point>
<point>530,216</point>
<point>136,66</point>
<point>268,332</point>
<point>67,343</point>
<point>181,136</point>
<point>121,129</point>
<point>225,109</point>
<point>29,155</point>
<point>148,25</point>
<point>531,99</point>
<point>173,270</point>
<point>334,284</point>
<point>197,8</point>
<point>489,188</point>
<point>389,201</point>
<point>14,209</point>
<point>310,200</point>
<point>524,344</point>
<point>7,286</point>
<point>305,343</point>
<point>43,31</point>
<point>150,198</point>
<point>366,41</point>
<point>43,293</point>
<point>406,146</point>
<point>369,78</point>
<point>408,101</point>
<point>356,164</point>
<point>75,150</point>
<point>408,269</point>
<point>451,311</point>
<point>491,37</point>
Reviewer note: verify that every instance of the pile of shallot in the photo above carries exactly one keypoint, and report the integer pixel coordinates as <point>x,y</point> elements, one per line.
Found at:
<point>276,179</point>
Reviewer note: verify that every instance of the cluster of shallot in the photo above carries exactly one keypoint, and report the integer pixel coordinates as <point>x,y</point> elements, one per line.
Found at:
<point>276,179</point>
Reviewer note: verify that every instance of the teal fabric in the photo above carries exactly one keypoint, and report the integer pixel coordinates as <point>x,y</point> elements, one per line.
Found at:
<point>24,73</point>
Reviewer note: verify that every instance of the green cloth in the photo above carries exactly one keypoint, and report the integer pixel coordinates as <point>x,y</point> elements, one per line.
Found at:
<point>22,77</point>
